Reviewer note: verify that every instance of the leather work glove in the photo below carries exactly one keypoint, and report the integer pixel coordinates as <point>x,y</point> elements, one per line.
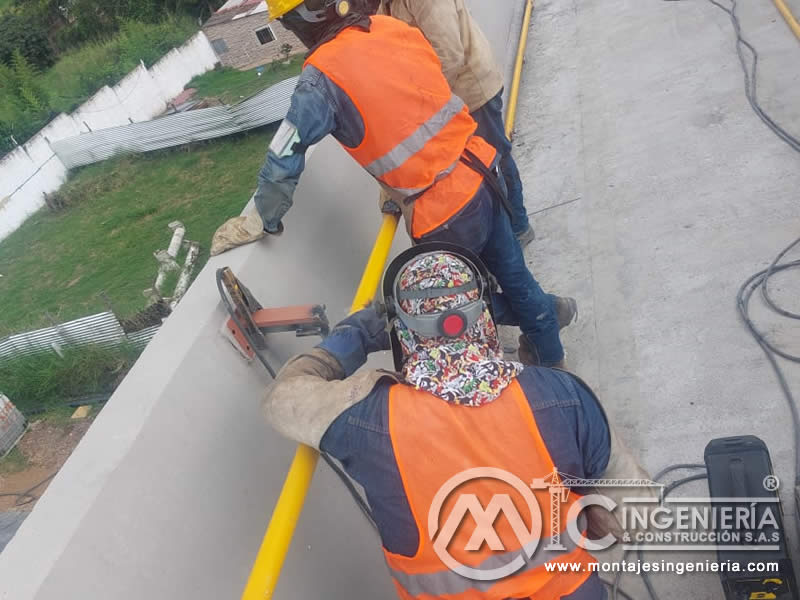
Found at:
<point>600,522</point>
<point>355,337</point>
<point>237,231</point>
<point>387,205</point>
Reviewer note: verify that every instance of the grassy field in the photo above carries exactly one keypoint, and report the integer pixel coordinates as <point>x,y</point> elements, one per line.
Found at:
<point>230,85</point>
<point>57,264</point>
<point>44,383</point>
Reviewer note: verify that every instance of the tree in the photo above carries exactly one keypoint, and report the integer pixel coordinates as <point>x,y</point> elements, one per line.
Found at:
<point>22,33</point>
<point>24,106</point>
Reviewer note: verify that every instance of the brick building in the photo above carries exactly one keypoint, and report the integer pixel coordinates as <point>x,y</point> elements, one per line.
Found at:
<point>243,38</point>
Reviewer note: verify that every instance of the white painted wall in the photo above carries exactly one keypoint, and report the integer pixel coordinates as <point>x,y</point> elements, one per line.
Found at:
<point>30,171</point>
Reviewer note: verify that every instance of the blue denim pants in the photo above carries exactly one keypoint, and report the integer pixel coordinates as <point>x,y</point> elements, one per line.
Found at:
<point>491,128</point>
<point>592,589</point>
<point>484,227</point>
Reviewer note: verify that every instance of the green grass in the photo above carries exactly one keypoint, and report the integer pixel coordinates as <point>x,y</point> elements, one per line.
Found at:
<point>14,462</point>
<point>44,382</point>
<point>230,85</point>
<point>117,216</point>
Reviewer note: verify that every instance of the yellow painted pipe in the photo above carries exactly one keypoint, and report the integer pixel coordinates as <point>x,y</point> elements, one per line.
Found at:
<point>373,271</point>
<point>513,96</point>
<point>275,545</point>
<point>788,17</point>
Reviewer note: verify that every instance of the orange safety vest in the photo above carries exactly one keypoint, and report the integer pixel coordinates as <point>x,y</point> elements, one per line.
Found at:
<point>415,128</point>
<point>434,441</point>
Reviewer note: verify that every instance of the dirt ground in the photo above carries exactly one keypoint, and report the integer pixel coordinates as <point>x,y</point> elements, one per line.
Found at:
<point>40,453</point>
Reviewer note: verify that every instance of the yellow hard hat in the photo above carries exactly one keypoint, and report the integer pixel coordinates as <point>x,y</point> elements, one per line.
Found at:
<point>278,8</point>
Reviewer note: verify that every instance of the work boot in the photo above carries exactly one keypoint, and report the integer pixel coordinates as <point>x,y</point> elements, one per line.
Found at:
<point>566,314</point>
<point>526,237</point>
<point>566,311</point>
<point>528,355</point>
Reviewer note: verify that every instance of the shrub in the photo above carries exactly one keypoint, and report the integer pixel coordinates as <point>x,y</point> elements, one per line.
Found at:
<point>80,73</point>
<point>24,104</point>
<point>28,36</point>
<point>45,380</point>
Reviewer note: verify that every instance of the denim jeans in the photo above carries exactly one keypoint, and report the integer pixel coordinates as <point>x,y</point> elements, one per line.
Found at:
<point>592,589</point>
<point>489,118</point>
<point>483,226</point>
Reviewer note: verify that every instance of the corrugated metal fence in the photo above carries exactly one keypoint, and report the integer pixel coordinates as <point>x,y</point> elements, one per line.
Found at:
<point>267,106</point>
<point>102,329</point>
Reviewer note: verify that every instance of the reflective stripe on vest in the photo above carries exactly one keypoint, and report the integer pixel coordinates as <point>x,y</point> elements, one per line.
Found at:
<point>434,442</point>
<point>415,129</point>
<point>417,140</point>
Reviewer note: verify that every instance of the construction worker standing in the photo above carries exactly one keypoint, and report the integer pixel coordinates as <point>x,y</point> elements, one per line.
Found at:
<point>475,77</point>
<point>404,126</point>
<point>454,404</point>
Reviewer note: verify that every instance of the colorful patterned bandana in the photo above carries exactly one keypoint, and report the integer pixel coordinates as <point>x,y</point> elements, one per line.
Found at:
<point>469,369</point>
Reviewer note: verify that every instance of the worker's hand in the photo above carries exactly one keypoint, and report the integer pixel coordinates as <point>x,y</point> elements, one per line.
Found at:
<point>235,232</point>
<point>373,325</point>
<point>387,205</point>
<point>390,208</point>
<point>355,337</point>
<point>278,230</point>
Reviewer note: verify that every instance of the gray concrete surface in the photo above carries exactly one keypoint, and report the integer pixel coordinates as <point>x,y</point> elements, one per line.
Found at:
<point>169,493</point>
<point>635,110</point>
<point>10,522</point>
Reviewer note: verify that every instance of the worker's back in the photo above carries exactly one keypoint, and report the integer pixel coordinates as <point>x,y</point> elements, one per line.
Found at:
<point>415,128</point>
<point>406,447</point>
<point>465,53</point>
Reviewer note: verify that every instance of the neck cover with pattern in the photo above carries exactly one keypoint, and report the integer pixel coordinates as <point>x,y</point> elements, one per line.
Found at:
<point>469,369</point>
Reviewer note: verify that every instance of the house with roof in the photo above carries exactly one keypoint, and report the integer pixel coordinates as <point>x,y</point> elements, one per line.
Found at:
<point>243,37</point>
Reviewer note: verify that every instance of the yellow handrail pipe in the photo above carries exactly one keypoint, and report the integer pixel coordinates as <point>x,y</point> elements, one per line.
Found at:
<point>275,545</point>
<point>788,17</point>
<point>513,96</point>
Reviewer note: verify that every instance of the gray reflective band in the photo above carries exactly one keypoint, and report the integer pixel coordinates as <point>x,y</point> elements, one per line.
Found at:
<point>417,140</point>
<point>408,192</point>
<point>436,292</point>
<point>446,581</point>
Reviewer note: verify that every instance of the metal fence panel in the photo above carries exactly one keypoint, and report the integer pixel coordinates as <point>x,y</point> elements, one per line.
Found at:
<point>265,107</point>
<point>141,338</point>
<point>101,329</point>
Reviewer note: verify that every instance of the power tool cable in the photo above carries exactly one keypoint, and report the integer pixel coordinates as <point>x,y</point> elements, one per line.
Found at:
<point>751,74</point>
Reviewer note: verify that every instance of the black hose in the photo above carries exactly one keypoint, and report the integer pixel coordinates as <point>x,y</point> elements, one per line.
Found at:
<point>751,75</point>
<point>615,589</point>
<point>658,476</point>
<point>756,281</point>
<point>27,493</point>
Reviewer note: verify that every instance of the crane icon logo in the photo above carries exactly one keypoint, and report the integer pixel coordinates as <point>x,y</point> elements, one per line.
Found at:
<point>503,563</point>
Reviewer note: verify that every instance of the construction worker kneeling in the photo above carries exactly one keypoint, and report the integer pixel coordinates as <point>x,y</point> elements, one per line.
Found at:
<point>456,429</point>
<point>377,86</point>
